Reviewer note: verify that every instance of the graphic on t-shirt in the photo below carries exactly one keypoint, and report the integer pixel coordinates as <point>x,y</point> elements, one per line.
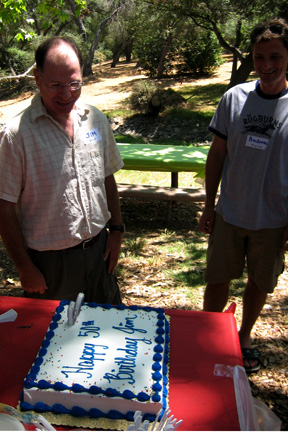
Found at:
<point>260,124</point>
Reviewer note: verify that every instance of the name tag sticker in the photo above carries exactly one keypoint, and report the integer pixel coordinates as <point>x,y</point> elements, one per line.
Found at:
<point>92,136</point>
<point>257,142</point>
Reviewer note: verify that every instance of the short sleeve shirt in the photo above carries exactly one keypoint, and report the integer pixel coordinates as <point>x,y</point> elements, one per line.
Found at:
<point>254,187</point>
<point>58,185</point>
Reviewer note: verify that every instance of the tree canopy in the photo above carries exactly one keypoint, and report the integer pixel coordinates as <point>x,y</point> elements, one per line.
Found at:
<point>166,36</point>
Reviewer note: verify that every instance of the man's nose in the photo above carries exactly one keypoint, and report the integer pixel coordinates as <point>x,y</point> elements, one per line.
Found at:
<point>65,91</point>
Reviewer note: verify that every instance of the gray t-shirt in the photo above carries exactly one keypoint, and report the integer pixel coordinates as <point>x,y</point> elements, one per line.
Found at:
<point>254,187</point>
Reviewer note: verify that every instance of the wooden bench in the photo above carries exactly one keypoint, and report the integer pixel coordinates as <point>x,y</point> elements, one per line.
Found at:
<point>160,193</point>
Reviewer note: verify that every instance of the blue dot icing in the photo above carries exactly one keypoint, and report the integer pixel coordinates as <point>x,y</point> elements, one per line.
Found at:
<point>158,348</point>
<point>157,387</point>
<point>157,357</point>
<point>94,390</point>
<point>156,397</point>
<point>41,407</point>
<point>78,412</point>
<point>143,397</point>
<point>95,413</point>
<point>78,388</point>
<point>159,339</point>
<point>60,409</point>
<point>128,394</point>
<point>45,343</point>
<point>60,386</point>
<point>42,352</point>
<point>53,325</point>
<point>157,376</point>
<point>50,334</point>
<point>42,384</point>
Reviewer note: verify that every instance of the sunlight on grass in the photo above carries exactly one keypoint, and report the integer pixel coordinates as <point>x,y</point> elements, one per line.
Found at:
<point>134,246</point>
<point>185,179</point>
<point>203,99</point>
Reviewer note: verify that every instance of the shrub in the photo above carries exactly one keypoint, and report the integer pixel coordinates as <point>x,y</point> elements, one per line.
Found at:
<point>20,60</point>
<point>200,57</point>
<point>141,95</point>
<point>150,99</point>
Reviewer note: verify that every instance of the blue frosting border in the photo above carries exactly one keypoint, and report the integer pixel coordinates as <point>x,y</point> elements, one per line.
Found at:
<point>163,337</point>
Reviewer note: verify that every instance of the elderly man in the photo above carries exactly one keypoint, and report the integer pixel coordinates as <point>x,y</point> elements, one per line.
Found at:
<point>250,154</point>
<point>57,188</point>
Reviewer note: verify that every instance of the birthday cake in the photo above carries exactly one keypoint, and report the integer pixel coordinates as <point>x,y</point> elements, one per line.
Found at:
<point>110,363</point>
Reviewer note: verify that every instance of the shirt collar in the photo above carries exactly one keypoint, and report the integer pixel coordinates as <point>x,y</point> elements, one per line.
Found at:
<point>38,108</point>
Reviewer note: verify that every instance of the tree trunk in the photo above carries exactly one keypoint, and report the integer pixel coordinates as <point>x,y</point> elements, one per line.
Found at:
<point>88,65</point>
<point>128,51</point>
<point>243,72</point>
<point>126,48</point>
<point>116,55</point>
<point>165,50</point>
<point>237,44</point>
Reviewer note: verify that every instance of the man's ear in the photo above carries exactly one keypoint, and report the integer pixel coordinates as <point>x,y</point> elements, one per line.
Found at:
<point>37,77</point>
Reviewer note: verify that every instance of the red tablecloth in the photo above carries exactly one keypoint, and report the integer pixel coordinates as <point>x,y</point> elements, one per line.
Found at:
<point>199,340</point>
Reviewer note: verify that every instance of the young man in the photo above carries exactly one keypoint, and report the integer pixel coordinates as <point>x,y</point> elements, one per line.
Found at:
<point>57,188</point>
<point>249,155</point>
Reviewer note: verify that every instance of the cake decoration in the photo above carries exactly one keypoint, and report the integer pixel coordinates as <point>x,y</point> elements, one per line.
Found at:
<point>74,309</point>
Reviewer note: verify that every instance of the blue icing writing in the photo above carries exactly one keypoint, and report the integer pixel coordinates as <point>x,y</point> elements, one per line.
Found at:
<point>86,362</point>
<point>129,326</point>
<point>127,364</point>
<point>87,328</point>
<point>123,374</point>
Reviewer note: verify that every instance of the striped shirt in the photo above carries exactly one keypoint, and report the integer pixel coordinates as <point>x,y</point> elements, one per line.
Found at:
<point>58,185</point>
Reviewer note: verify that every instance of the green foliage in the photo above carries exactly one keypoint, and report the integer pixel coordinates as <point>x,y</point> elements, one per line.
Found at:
<point>11,11</point>
<point>134,247</point>
<point>102,54</point>
<point>184,47</point>
<point>141,96</point>
<point>20,60</point>
<point>200,56</point>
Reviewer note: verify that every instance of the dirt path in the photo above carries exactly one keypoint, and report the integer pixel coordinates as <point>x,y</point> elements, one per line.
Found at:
<point>110,86</point>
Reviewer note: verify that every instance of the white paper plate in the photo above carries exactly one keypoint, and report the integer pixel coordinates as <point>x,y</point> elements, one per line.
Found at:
<point>10,423</point>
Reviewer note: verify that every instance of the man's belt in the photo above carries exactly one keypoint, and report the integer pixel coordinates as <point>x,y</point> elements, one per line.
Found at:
<point>86,244</point>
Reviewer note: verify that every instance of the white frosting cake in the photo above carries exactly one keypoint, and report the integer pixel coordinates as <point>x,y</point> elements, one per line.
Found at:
<point>110,363</point>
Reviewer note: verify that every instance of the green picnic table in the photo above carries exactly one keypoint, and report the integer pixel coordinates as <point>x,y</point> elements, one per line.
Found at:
<point>167,158</point>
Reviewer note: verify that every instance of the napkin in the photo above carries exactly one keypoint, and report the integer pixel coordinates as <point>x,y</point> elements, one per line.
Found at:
<point>8,316</point>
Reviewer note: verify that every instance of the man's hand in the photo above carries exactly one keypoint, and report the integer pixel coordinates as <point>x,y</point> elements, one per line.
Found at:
<point>32,280</point>
<point>112,250</point>
<point>206,221</point>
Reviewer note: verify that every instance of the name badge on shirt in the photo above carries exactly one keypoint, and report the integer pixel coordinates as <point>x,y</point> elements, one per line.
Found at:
<point>92,136</point>
<point>257,142</point>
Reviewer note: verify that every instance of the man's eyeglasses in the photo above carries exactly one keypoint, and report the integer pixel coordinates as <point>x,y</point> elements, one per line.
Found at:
<point>56,87</point>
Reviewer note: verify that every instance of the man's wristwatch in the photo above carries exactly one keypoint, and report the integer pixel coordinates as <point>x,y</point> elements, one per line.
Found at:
<point>120,227</point>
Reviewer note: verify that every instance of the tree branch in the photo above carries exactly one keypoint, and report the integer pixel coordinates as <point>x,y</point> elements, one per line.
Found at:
<point>21,76</point>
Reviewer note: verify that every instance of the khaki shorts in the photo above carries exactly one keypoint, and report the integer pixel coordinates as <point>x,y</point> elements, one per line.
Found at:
<point>230,246</point>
